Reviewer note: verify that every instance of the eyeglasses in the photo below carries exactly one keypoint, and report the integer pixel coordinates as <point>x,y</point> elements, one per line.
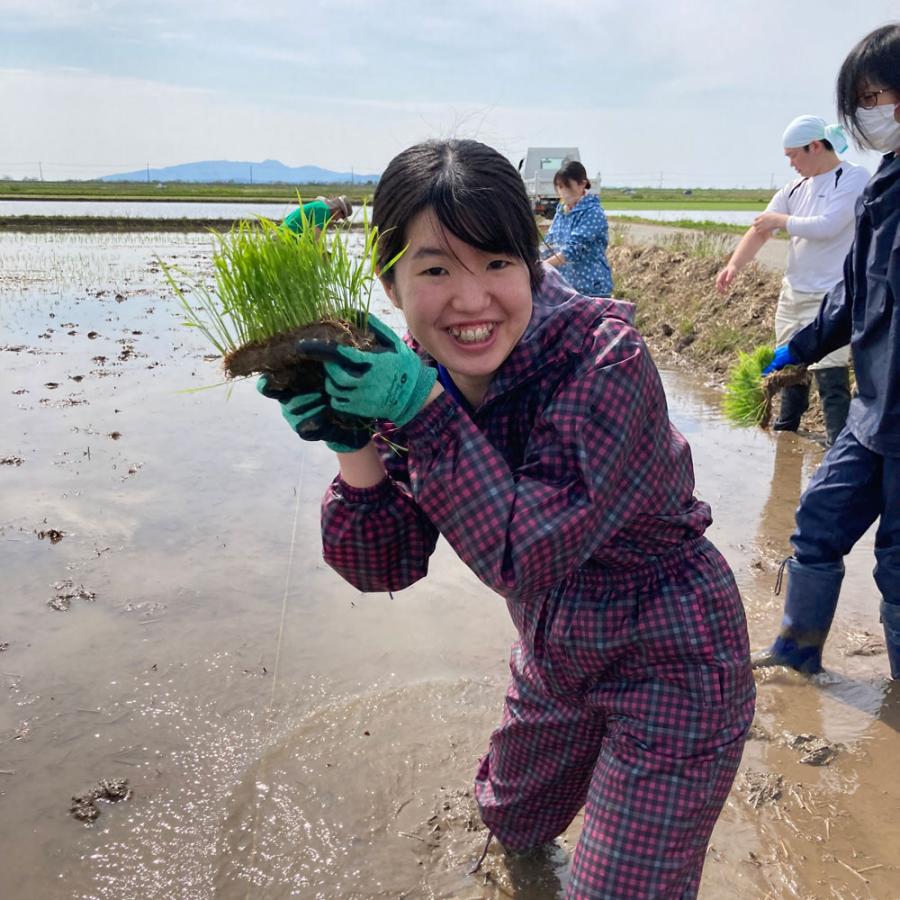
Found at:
<point>869,100</point>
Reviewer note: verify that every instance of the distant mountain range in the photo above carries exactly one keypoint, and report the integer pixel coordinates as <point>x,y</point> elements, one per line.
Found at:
<point>270,171</point>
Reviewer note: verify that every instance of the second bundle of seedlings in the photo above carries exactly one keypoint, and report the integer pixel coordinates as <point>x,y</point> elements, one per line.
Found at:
<point>749,393</point>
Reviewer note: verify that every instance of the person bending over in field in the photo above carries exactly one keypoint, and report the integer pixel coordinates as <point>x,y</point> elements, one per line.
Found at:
<point>316,213</point>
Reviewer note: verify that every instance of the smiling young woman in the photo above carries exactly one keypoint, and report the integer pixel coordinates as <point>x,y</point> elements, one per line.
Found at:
<point>536,440</point>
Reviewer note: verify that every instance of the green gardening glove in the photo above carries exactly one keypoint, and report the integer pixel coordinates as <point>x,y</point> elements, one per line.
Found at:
<point>387,382</point>
<point>312,418</point>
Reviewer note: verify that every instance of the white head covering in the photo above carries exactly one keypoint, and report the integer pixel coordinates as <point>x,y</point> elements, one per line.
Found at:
<point>805,129</point>
<point>344,206</point>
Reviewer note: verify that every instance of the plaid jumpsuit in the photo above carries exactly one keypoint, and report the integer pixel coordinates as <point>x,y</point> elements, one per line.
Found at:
<point>569,492</point>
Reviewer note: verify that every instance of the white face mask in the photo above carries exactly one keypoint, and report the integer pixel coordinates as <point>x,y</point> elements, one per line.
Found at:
<point>880,128</point>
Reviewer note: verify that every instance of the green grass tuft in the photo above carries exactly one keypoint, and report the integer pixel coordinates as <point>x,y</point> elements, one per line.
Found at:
<point>745,400</point>
<point>698,245</point>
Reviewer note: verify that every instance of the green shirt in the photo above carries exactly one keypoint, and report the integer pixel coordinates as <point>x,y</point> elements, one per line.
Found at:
<point>317,214</point>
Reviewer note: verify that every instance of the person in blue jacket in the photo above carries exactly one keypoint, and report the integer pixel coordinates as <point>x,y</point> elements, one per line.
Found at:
<point>859,479</point>
<point>579,234</point>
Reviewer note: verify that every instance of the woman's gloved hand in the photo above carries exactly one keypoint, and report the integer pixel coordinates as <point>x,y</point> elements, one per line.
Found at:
<point>387,382</point>
<point>783,357</point>
<point>312,418</point>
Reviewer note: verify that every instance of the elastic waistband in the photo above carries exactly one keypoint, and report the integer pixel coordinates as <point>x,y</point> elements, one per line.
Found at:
<point>656,567</point>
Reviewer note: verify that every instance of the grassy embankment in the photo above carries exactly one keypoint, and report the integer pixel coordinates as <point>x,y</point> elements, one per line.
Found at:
<point>685,320</point>
<point>630,201</point>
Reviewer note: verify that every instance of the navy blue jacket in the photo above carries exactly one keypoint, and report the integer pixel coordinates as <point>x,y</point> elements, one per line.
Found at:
<point>863,311</point>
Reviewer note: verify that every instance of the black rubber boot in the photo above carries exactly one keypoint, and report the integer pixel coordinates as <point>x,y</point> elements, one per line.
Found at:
<point>834,389</point>
<point>812,596</point>
<point>794,401</point>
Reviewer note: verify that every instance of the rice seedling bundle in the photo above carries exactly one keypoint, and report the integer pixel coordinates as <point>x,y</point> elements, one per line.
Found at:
<point>274,287</point>
<point>748,393</point>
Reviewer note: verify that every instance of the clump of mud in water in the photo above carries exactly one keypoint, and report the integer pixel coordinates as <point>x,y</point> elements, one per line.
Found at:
<point>84,806</point>
<point>453,838</point>
<point>761,787</point>
<point>286,369</point>
<point>862,643</point>
<point>815,751</point>
<point>66,592</point>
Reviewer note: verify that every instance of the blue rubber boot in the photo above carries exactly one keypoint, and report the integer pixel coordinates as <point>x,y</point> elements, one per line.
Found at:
<point>812,596</point>
<point>890,619</point>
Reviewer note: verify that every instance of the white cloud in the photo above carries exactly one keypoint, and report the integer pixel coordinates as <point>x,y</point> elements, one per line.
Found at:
<point>698,88</point>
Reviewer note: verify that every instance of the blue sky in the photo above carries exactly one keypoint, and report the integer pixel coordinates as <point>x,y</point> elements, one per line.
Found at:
<point>691,93</point>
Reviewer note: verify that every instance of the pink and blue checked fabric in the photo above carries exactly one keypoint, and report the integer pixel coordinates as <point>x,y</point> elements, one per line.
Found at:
<point>569,492</point>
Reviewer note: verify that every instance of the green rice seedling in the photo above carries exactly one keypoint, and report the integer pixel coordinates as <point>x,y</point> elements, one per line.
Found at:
<point>273,287</point>
<point>745,396</point>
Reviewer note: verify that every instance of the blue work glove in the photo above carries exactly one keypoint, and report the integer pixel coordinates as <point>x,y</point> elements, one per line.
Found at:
<point>388,381</point>
<point>783,357</point>
<point>311,417</point>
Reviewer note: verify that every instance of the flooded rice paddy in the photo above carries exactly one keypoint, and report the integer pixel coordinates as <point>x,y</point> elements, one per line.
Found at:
<point>206,211</point>
<point>166,619</point>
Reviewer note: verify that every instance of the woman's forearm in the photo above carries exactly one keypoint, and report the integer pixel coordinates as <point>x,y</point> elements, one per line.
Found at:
<point>363,468</point>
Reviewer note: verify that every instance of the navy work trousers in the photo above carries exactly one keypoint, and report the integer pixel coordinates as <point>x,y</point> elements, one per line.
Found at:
<point>850,490</point>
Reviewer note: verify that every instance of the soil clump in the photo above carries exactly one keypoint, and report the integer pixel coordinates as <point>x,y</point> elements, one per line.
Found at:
<point>84,806</point>
<point>814,750</point>
<point>66,592</point>
<point>287,369</point>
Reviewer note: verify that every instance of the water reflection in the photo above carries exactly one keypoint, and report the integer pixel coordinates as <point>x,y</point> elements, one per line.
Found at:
<point>776,521</point>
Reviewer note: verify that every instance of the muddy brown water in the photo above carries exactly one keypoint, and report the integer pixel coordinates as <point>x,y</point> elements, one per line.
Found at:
<point>282,734</point>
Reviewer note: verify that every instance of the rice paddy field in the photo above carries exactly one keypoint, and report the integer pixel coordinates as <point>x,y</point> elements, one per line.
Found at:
<point>179,190</point>
<point>167,620</point>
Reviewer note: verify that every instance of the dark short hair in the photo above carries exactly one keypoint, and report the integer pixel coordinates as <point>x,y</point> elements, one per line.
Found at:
<point>474,192</point>
<point>571,171</point>
<point>823,141</point>
<point>876,58</point>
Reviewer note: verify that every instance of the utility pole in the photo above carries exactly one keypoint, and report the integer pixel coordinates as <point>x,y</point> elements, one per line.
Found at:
<point>660,180</point>
<point>351,175</point>
<point>772,181</point>
<point>251,173</point>
<point>41,170</point>
<point>148,173</point>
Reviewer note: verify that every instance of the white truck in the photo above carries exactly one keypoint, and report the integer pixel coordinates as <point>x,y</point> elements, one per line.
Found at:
<point>538,168</point>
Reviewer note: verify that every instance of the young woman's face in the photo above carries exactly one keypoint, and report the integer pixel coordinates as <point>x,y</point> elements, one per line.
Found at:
<point>467,308</point>
<point>571,192</point>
